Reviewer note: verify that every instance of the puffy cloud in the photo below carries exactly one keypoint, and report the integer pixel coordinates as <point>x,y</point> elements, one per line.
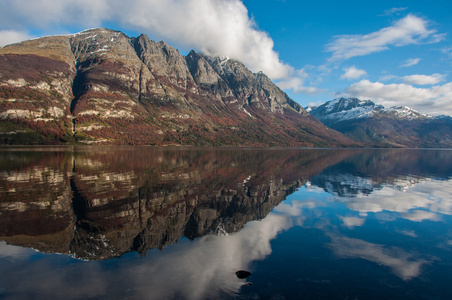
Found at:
<point>12,36</point>
<point>434,100</point>
<point>296,83</point>
<point>423,79</point>
<point>215,27</point>
<point>353,73</point>
<point>48,14</point>
<point>406,31</point>
<point>410,62</point>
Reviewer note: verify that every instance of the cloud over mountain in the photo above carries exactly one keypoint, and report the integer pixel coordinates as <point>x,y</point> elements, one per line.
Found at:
<point>434,100</point>
<point>215,27</point>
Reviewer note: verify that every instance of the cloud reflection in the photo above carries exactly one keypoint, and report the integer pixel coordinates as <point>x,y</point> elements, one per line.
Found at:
<point>425,201</point>
<point>404,264</point>
<point>205,267</point>
<point>199,269</point>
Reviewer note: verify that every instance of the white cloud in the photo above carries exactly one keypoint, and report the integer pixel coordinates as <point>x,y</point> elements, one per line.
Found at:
<point>394,11</point>
<point>353,73</point>
<point>297,84</point>
<point>406,31</point>
<point>215,27</point>
<point>48,14</point>
<point>423,79</point>
<point>434,100</point>
<point>12,36</point>
<point>410,62</point>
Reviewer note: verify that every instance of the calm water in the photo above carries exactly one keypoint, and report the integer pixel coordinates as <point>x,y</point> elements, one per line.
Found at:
<point>161,223</point>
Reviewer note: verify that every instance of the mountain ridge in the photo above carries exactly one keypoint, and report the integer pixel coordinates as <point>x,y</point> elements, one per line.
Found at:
<point>100,86</point>
<point>377,126</point>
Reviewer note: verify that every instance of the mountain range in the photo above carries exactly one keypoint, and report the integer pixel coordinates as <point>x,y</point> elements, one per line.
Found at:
<point>377,126</point>
<point>100,86</point>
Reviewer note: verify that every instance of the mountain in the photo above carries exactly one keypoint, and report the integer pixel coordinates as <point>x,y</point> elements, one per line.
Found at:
<point>377,126</point>
<point>100,86</point>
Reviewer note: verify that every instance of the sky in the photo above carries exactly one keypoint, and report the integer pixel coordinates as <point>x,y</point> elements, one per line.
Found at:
<point>394,53</point>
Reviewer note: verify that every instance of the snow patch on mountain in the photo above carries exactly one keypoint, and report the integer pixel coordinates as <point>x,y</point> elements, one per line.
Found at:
<point>342,109</point>
<point>404,112</point>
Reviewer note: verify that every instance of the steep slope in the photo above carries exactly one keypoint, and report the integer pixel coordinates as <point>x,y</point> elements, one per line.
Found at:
<point>100,86</point>
<point>377,126</point>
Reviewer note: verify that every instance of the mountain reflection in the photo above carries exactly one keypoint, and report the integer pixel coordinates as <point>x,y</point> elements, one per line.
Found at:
<point>368,171</point>
<point>98,203</point>
<point>378,181</point>
<point>358,215</point>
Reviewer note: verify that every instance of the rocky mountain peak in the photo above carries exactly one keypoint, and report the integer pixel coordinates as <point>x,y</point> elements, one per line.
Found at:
<point>100,42</point>
<point>405,112</point>
<point>341,109</point>
<point>163,60</point>
<point>344,109</point>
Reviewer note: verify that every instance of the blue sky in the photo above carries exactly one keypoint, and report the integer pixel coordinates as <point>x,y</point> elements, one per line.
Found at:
<point>392,52</point>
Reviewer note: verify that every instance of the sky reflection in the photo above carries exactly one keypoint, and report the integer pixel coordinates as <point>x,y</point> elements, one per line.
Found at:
<point>205,267</point>
<point>344,227</point>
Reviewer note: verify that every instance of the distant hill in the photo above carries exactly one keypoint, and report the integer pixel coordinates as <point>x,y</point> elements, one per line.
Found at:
<point>101,87</point>
<point>377,126</point>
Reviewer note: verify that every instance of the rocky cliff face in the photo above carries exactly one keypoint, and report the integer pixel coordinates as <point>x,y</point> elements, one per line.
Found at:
<point>100,86</point>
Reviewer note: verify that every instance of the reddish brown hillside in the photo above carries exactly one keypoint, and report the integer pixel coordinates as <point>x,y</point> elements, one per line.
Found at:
<point>101,87</point>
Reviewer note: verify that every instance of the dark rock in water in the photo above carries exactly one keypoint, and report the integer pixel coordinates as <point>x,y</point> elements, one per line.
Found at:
<point>242,274</point>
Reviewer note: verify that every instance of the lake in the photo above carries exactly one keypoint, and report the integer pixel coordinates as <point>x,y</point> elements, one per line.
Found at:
<point>178,223</point>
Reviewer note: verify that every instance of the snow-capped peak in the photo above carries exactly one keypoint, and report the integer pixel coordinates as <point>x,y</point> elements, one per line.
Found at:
<point>342,109</point>
<point>406,112</point>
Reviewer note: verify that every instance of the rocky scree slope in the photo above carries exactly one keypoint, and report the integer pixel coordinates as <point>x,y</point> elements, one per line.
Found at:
<point>377,126</point>
<point>101,87</point>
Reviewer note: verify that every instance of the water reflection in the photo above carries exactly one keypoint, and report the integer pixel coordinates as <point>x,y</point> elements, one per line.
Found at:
<point>101,204</point>
<point>202,269</point>
<point>227,210</point>
<point>404,264</point>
